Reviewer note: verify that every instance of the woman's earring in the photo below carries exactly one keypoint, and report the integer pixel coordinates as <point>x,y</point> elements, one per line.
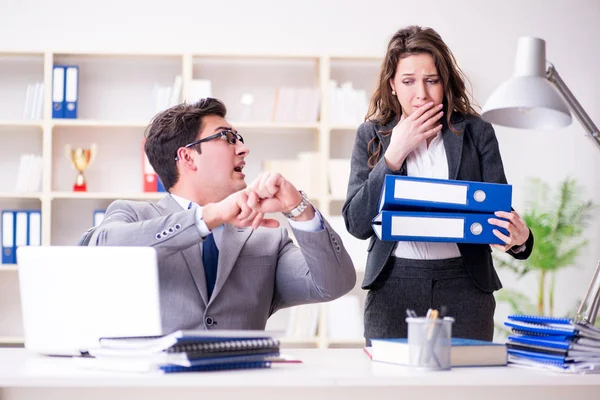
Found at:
<point>394,92</point>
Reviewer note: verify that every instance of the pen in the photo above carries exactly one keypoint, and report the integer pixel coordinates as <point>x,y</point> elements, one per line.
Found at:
<point>428,344</point>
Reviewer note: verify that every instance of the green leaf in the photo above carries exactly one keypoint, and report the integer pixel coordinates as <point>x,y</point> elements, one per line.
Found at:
<point>557,218</point>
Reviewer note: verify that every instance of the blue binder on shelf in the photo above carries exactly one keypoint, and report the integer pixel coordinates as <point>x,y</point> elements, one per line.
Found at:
<point>436,227</point>
<point>8,238</point>
<point>19,228</point>
<point>58,91</point>
<point>401,192</point>
<point>71,91</point>
<point>34,228</point>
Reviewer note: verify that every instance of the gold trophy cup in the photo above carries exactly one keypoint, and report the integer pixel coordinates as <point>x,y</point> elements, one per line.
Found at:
<point>81,159</point>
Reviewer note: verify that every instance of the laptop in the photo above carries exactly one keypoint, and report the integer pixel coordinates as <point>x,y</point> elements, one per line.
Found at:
<point>73,295</point>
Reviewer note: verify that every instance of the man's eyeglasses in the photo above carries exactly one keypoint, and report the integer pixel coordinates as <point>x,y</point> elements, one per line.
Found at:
<point>232,138</point>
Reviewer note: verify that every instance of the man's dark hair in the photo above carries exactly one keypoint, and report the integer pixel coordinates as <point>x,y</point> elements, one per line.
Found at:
<point>174,128</point>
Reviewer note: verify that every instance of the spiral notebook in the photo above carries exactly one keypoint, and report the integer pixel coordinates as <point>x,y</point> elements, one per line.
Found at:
<point>551,326</point>
<point>186,351</point>
<point>190,341</point>
<point>180,352</point>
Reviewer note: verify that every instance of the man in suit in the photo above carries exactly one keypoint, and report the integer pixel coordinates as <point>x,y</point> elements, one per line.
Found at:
<point>222,264</point>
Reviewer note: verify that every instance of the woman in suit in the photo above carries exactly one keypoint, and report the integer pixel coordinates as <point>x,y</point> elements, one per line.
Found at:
<point>421,123</point>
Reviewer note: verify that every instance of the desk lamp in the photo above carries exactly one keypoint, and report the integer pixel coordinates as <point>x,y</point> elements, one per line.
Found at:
<point>529,100</point>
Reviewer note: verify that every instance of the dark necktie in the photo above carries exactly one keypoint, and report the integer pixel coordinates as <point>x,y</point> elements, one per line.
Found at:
<point>210,258</point>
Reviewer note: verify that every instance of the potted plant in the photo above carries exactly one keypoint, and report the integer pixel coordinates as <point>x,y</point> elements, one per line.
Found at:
<point>557,219</point>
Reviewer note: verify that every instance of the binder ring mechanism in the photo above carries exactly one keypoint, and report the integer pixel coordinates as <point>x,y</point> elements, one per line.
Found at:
<point>479,196</point>
<point>476,228</point>
<point>591,301</point>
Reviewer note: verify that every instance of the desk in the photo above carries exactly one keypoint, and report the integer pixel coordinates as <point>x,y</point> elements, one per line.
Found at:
<point>330,373</point>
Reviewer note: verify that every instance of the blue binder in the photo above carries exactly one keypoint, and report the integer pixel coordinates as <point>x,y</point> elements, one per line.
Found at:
<point>71,91</point>
<point>8,237</point>
<point>34,228</point>
<point>436,227</point>
<point>408,192</point>
<point>58,91</point>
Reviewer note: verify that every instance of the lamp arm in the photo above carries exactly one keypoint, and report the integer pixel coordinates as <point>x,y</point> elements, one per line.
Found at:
<point>580,114</point>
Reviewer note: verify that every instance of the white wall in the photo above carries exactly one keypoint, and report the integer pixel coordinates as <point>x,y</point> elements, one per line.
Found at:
<point>483,36</point>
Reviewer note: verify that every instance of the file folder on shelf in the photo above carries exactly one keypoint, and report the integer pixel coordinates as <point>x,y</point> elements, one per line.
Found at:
<point>58,91</point>
<point>8,238</point>
<point>407,192</point>
<point>34,232</point>
<point>436,227</point>
<point>71,91</point>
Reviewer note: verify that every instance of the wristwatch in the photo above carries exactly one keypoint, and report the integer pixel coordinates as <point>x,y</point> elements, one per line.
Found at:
<point>299,208</point>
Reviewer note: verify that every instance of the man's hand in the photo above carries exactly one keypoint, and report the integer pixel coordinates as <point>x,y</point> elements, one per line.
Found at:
<point>234,210</point>
<point>518,231</point>
<point>271,192</point>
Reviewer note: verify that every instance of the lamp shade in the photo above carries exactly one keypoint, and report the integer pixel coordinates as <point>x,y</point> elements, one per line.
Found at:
<point>528,100</point>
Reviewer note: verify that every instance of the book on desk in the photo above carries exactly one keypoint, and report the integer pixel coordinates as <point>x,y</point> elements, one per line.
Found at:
<point>463,353</point>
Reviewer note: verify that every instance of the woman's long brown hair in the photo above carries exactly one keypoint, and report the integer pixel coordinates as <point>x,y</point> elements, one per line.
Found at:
<point>384,106</point>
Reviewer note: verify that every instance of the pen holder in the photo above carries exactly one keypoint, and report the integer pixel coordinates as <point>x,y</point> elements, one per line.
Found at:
<point>429,342</point>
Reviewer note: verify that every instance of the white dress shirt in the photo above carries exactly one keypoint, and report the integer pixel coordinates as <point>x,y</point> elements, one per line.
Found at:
<point>314,225</point>
<point>427,163</point>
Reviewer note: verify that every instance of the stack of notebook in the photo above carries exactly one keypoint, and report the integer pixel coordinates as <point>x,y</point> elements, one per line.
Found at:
<point>440,210</point>
<point>553,343</point>
<point>184,351</point>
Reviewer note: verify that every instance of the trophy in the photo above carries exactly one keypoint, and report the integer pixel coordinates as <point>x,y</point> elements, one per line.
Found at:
<point>81,159</point>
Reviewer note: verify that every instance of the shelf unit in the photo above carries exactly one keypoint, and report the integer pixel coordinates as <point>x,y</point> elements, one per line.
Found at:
<point>115,106</point>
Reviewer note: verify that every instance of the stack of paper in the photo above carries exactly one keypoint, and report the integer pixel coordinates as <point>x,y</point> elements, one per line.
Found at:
<point>553,343</point>
<point>29,177</point>
<point>184,351</point>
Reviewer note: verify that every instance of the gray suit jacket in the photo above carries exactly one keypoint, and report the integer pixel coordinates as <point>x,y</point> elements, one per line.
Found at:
<point>473,155</point>
<point>259,272</point>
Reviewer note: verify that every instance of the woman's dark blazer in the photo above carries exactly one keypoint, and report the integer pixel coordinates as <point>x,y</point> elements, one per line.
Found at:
<point>473,155</point>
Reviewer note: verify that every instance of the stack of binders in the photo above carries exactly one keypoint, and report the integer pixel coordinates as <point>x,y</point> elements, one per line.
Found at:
<point>440,210</point>
<point>185,351</point>
<point>553,343</point>
<point>559,344</point>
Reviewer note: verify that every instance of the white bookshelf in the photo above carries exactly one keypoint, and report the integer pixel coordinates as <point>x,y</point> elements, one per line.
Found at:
<point>115,105</point>
<point>11,341</point>
<point>94,123</point>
